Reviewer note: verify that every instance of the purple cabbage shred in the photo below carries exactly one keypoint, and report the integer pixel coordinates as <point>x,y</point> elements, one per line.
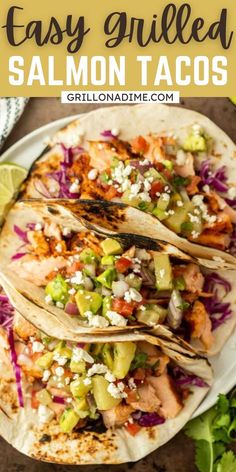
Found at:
<point>218,310</point>
<point>216,179</point>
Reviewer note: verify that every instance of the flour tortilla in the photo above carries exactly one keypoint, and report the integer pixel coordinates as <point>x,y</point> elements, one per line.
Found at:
<point>39,312</point>
<point>132,121</point>
<point>21,427</point>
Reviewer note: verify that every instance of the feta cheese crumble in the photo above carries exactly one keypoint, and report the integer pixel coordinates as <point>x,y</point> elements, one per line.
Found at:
<point>116,319</point>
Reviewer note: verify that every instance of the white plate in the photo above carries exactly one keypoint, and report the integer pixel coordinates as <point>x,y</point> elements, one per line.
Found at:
<point>24,152</point>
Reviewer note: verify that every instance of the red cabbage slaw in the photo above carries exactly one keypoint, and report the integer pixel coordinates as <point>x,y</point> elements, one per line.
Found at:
<point>217,179</point>
<point>185,379</point>
<point>218,310</point>
<point>60,176</point>
<point>6,321</point>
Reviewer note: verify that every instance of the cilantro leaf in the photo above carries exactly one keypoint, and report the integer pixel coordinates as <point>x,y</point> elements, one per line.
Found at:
<point>200,430</point>
<point>218,449</point>
<point>222,405</point>
<point>204,457</point>
<point>227,462</point>
<point>139,361</point>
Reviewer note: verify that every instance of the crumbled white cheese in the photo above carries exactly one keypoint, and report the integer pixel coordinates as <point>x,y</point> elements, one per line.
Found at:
<point>132,384</point>
<point>69,400</point>
<point>79,354</point>
<point>45,414</point>
<point>48,300</point>
<point>38,227</point>
<point>66,231</point>
<point>116,319</point>
<point>61,360</point>
<point>59,371</point>
<point>196,129</point>
<point>115,131</point>
<point>115,391</point>
<point>195,234</point>
<point>97,369</point>
<point>193,219</point>
<point>142,255</point>
<point>72,291</point>
<point>145,197</point>
<point>59,305</point>
<point>37,346</point>
<point>92,174</point>
<point>232,192</point>
<point>135,295</point>
<point>97,321</point>
<point>46,375</point>
<point>109,376</point>
<point>87,381</point>
<point>58,247</point>
<point>75,187</point>
<point>206,188</point>
<point>179,203</point>
<point>78,278</point>
<point>166,197</point>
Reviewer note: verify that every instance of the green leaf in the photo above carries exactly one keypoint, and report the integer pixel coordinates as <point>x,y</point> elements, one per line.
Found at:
<point>222,405</point>
<point>140,360</point>
<point>227,462</point>
<point>218,449</point>
<point>200,428</point>
<point>222,421</point>
<point>221,435</point>
<point>232,431</point>
<point>204,456</point>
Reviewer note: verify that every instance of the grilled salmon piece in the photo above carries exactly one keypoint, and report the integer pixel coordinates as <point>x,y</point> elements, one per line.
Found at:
<point>171,403</point>
<point>200,324</point>
<point>148,400</point>
<point>117,416</point>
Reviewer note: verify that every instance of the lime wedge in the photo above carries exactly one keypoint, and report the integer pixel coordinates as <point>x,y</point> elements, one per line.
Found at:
<point>233,100</point>
<point>11,177</point>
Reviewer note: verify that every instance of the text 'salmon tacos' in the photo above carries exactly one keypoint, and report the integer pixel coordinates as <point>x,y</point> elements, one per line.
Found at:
<point>108,400</point>
<point>89,280</point>
<point>173,165</point>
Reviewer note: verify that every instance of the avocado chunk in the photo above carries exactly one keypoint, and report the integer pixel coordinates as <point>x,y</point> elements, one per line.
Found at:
<point>124,353</point>
<point>69,420</point>
<point>44,397</point>
<point>88,256</point>
<point>106,305</point>
<point>154,174</point>
<point>88,301</point>
<point>107,356</point>
<point>78,367</point>
<point>78,388</point>
<point>111,247</point>
<point>130,200</point>
<point>81,406</point>
<point>62,350</point>
<point>163,272</point>
<point>58,289</point>
<point>195,143</point>
<point>45,361</point>
<point>174,222</point>
<point>103,398</point>
<point>107,277</point>
<point>134,281</point>
<point>152,315</point>
<point>107,260</point>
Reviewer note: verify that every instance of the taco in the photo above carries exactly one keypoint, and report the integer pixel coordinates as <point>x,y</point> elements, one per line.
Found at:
<point>173,164</point>
<point>92,283</point>
<point>110,401</point>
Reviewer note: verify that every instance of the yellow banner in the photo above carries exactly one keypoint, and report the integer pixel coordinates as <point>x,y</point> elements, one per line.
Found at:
<point>51,46</point>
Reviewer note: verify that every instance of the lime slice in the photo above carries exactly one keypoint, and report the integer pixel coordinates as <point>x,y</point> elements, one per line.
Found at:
<point>11,177</point>
<point>233,100</point>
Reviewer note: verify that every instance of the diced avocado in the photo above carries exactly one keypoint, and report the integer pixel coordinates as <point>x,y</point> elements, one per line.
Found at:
<point>106,305</point>
<point>111,247</point>
<point>154,174</point>
<point>107,277</point>
<point>195,143</point>
<point>69,420</point>
<point>107,355</point>
<point>103,399</point>
<point>160,214</point>
<point>175,221</point>
<point>130,200</point>
<point>163,272</point>
<point>58,289</point>
<point>44,397</point>
<point>153,314</point>
<point>168,164</point>
<point>81,407</point>
<point>45,361</point>
<point>63,350</point>
<point>88,301</point>
<point>88,256</point>
<point>163,201</point>
<point>78,367</point>
<point>107,260</point>
<point>134,281</point>
<point>78,388</point>
<point>124,353</point>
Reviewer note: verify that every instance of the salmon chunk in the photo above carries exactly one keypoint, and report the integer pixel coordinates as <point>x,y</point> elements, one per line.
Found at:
<point>200,324</point>
<point>170,402</point>
<point>148,400</point>
<point>117,416</point>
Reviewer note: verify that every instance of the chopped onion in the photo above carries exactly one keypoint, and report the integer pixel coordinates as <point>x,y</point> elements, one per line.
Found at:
<point>71,308</point>
<point>119,288</point>
<point>148,277</point>
<point>18,255</point>
<point>59,400</point>
<point>175,313</point>
<point>20,233</point>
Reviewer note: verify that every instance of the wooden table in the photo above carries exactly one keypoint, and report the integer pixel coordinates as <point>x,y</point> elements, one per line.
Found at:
<point>178,454</point>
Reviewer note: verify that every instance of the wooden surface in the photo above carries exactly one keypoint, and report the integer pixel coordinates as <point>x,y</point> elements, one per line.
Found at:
<point>178,454</point>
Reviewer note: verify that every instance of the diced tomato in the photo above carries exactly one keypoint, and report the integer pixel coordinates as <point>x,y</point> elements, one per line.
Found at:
<point>76,266</point>
<point>156,187</point>
<point>139,374</point>
<point>123,264</point>
<point>133,428</point>
<point>34,401</point>
<point>192,187</point>
<point>167,174</point>
<point>159,166</point>
<point>111,193</point>
<point>139,145</point>
<point>122,307</point>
